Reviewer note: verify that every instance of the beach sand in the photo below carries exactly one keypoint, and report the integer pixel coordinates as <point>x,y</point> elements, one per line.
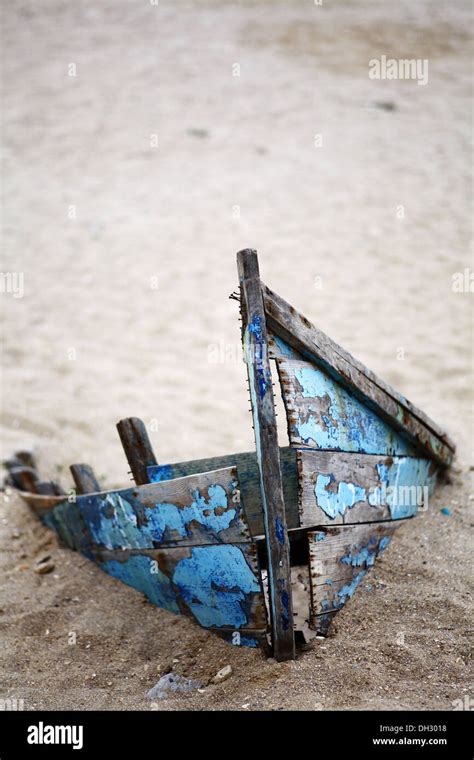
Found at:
<point>128,188</point>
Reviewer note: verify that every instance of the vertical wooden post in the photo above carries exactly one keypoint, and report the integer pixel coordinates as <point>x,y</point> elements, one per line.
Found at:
<point>137,447</point>
<point>84,479</point>
<point>255,343</point>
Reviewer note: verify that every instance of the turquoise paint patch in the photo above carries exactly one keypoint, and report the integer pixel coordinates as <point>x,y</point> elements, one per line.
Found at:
<point>347,591</point>
<point>404,486</point>
<point>212,513</point>
<point>332,503</point>
<point>215,582</point>
<point>348,425</point>
<point>319,536</point>
<point>365,557</point>
<point>112,522</point>
<point>445,511</point>
<point>284,349</point>
<point>143,574</point>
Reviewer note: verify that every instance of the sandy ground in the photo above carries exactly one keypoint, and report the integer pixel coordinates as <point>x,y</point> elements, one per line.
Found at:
<point>128,255</point>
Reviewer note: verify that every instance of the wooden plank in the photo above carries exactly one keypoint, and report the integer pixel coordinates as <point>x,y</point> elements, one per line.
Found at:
<point>249,478</point>
<point>46,488</point>
<point>283,320</point>
<point>337,488</point>
<point>84,478</point>
<point>184,543</point>
<point>340,558</point>
<point>25,478</point>
<point>216,585</point>
<point>322,413</point>
<point>254,338</point>
<point>200,509</point>
<point>301,598</point>
<point>137,447</point>
<point>42,504</point>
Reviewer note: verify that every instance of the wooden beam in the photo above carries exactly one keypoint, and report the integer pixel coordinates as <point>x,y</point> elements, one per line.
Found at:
<point>137,447</point>
<point>313,344</point>
<point>255,343</point>
<point>84,479</point>
<point>337,488</point>
<point>46,488</point>
<point>24,478</point>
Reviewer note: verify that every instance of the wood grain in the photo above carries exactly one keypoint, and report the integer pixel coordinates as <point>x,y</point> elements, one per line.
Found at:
<point>339,488</point>
<point>340,558</point>
<point>254,338</point>
<point>137,447</point>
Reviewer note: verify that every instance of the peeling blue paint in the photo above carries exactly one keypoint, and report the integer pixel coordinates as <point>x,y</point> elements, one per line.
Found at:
<point>404,486</point>
<point>347,591</point>
<point>338,420</point>
<point>214,582</point>
<point>279,531</point>
<point>212,513</point>
<point>263,374</point>
<point>332,503</point>
<point>445,511</point>
<point>319,536</point>
<point>284,349</point>
<point>112,523</point>
<point>365,557</point>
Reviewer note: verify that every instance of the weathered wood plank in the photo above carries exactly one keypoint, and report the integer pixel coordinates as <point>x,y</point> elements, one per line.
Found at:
<point>199,509</point>
<point>339,559</point>
<point>46,488</point>
<point>301,597</point>
<point>137,447</point>
<point>283,320</point>
<point>255,344</point>
<point>84,478</point>
<point>323,414</point>
<point>338,488</point>
<point>42,504</point>
<point>217,585</point>
<point>25,478</point>
<point>249,478</point>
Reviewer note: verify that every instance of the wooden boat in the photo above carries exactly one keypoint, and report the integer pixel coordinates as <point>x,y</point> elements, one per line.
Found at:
<point>263,547</point>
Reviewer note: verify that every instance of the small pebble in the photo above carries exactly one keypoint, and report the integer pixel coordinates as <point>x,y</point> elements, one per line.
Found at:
<point>172,682</point>
<point>223,674</point>
<point>44,565</point>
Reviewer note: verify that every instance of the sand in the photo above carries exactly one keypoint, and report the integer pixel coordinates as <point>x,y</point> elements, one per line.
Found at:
<point>127,190</point>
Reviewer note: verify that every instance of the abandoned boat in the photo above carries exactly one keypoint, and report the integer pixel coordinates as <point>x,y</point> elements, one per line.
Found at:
<point>262,547</point>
